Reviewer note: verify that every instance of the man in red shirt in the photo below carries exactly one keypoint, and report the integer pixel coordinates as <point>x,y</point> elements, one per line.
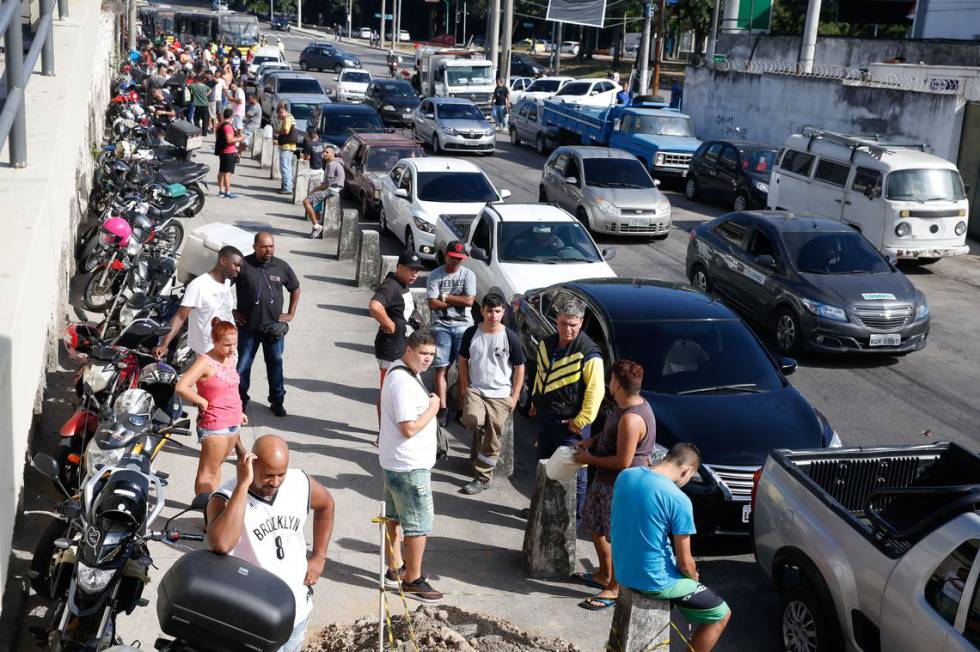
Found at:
<point>226,147</point>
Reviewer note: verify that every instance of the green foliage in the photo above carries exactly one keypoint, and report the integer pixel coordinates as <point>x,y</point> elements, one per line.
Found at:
<point>789,16</point>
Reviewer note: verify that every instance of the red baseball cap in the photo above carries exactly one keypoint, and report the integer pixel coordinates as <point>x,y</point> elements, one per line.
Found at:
<point>456,249</point>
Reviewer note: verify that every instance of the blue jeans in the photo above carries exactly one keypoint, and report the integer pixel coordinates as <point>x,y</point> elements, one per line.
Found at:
<point>552,433</point>
<point>295,642</point>
<point>408,500</point>
<point>500,115</point>
<point>448,340</point>
<point>286,158</point>
<point>248,346</point>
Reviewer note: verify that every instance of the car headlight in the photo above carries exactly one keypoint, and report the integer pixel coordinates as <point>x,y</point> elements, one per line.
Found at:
<point>449,131</point>
<point>824,311</point>
<point>349,62</point>
<point>662,206</point>
<point>105,458</point>
<point>660,159</point>
<point>606,206</point>
<point>835,441</point>
<point>922,311</point>
<point>92,580</point>
<point>388,107</point>
<point>422,225</point>
<point>960,228</point>
<point>488,132</point>
<point>903,229</point>
<point>761,186</point>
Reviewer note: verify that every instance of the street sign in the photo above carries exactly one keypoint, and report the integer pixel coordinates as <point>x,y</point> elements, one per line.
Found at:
<point>721,58</point>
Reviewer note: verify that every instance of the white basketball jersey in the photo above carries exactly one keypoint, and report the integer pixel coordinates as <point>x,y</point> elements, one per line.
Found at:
<point>272,537</point>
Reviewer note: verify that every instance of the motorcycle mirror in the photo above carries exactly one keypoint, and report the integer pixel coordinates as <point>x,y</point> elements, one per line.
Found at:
<point>46,465</point>
<point>62,543</point>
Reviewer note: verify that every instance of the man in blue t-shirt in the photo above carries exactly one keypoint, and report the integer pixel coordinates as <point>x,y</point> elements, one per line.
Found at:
<point>649,512</point>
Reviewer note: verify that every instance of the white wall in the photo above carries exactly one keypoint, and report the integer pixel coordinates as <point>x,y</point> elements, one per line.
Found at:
<point>769,107</point>
<point>40,206</point>
<point>957,19</point>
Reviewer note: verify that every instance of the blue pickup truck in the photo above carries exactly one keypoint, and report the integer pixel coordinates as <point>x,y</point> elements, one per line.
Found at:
<point>662,138</point>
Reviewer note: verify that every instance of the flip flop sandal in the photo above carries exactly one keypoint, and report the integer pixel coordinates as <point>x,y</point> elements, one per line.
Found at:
<point>586,578</point>
<point>597,604</point>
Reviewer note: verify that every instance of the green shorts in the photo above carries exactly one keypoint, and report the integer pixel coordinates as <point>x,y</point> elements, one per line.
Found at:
<point>696,602</point>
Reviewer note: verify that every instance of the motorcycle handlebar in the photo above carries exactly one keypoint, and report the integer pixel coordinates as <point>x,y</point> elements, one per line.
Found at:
<point>173,536</point>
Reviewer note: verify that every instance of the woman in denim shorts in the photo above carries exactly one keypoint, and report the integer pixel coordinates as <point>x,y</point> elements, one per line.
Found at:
<point>211,384</point>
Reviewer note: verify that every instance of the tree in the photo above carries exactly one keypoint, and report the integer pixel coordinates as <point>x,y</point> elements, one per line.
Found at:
<point>694,16</point>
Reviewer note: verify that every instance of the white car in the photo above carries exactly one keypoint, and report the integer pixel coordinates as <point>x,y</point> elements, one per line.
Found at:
<point>570,47</point>
<point>365,33</point>
<point>352,84</point>
<point>589,92</point>
<point>517,85</point>
<point>263,55</point>
<point>265,67</point>
<point>403,35</point>
<point>515,248</point>
<point>418,191</point>
<point>545,87</point>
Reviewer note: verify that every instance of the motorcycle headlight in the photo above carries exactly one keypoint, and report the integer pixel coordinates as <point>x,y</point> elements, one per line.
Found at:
<point>606,206</point>
<point>92,580</point>
<point>761,186</point>
<point>422,225</point>
<point>449,131</point>
<point>96,458</point>
<point>127,314</point>
<point>922,311</point>
<point>388,107</point>
<point>824,311</point>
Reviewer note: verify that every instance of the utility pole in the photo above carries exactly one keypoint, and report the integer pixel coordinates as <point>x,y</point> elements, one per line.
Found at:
<point>810,29</point>
<point>558,51</point>
<point>494,40</point>
<point>508,31</point>
<point>299,14</point>
<point>658,51</point>
<point>464,21</point>
<point>350,11</point>
<point>713,39</point>
<point>381,41</point>
<point>131,20</point>
<point>272,10</point>
<point>643,53</point>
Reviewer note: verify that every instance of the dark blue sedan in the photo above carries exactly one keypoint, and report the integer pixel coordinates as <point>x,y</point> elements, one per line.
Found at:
<point>339,121</point>
<point>709,379</point>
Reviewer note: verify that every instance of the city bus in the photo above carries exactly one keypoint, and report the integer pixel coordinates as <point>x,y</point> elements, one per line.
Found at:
<point>228,29</point>
<point>157,22</point>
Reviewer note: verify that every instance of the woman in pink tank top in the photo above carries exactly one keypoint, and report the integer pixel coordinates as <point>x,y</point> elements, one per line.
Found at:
<point>211,384</point>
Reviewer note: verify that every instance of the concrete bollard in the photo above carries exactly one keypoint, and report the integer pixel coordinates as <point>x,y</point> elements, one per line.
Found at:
<point>422,305</point>
<point>258,140</point>
<point>388,264</point>
<point>639,624</point>
<point>549,540</point>
<point>368,258</point>
<point>301,173</point>
<point>505,461</point>
<point>274,168</point>
<point>347,242</point>
<point>331,216</point>
<point>267,152</point>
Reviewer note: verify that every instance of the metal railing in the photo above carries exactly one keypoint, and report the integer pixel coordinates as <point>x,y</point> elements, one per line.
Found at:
<point>18,69</point>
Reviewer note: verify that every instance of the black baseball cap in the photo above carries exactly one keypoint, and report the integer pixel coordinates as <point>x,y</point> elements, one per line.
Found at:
<point>410,259</point>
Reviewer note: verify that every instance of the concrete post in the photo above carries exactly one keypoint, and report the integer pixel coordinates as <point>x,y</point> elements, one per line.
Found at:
<point>368,258</point>
<point>268,152</point>
<point>301,175</point>
<point>643,54</point>
<point>331,217</point>
<point>422,305</point>
<point>258,140</point>
<point>506,30</point>
<point>274,168</point>
<point>388,264</point>
<point>639,624</point>
<point>493,41</point>
<point>549,540</point>
<point>347,242</point>
<point>505,461</point>
<point>810,28</point>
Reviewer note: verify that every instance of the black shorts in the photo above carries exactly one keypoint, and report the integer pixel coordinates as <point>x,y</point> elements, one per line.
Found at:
<point>226,162</point>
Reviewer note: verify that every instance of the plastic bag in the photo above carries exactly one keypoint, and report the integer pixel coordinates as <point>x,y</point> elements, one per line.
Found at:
<point>561,466</point>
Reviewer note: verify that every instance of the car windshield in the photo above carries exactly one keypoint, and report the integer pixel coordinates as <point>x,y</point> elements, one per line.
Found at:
<point>397,89</point>
<point>240,33</point>
<point>458,112</point>
<point>457,187</point>
<point>575,88</point>
<point>356,77</point>
<point>758,161</point>
<point>469,75</point>
<point>544,86</point>
<point>834,253</point>
<point>616,173</point>
<point>382,159</point>
<point>547,243</point>
<point>341,122</point>
<point>310,86</point>
<point>302,111</point>
<point>696,356</point>
<point>664,125</point>
<point>925,185</point>
<point>258,61</point>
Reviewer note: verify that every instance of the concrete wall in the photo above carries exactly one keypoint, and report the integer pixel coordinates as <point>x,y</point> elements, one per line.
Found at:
<point>849,52</point>
<point>40,207</point>
<point>768,107</point>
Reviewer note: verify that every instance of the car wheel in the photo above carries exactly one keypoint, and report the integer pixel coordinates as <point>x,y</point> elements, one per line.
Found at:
<point>435,145</point>
<point>699,279</point>
<point>741,202</point>
<point>382,219</point>
<point>805,624</point>
<point>583,217</point>
<point>514,138</point>
<point>787,332</point>
<point>542,195</point>
<point>304,66</point>
<point>539,145</point>
<point>409,239</point>
<point>691,189</point>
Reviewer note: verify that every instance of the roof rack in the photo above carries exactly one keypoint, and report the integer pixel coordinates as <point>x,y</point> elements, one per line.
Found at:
<point>813,133</point>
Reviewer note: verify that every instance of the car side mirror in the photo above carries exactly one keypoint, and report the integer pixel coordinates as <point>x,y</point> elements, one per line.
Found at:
<point>479,253</point>
<point>429,116</point>
<point>336,78</point>
<point>609,253</point>
<point>401,192</point>
<point>572,181</point>
<point>766,261</point>
<point>504,194</point>
<point>46,465</point>
<point>787,366</point>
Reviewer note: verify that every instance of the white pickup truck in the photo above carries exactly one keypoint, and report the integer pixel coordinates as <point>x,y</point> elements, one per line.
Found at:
<point>872,549</point>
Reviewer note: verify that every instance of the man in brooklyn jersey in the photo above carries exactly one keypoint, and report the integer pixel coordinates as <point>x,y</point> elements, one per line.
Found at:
<point>259,517</point>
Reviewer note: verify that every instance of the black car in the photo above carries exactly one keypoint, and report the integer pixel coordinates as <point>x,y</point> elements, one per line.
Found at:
<point>522,65</point>
<point>734,172</point>
<point>706,375</point>
<point>816,282</point>
<point>339,121</point>
<point>280,23</point>
<point>323,57</point>
<point>394,100</point>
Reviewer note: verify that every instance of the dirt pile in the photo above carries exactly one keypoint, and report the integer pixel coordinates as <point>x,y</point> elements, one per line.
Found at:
<point>437,629</point>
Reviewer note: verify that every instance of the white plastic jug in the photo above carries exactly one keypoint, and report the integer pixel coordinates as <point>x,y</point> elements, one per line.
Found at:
<point>561,466</point>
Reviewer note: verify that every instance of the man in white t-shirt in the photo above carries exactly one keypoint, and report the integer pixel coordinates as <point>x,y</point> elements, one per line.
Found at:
<point>407,448</point>
<point>206,297</point>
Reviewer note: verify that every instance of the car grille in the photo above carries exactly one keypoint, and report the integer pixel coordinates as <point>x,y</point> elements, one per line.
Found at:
<point>738,479</point>
<point>675,159</point>
<point>882,317</point>
<point>459,224</point>
<point>623,227</point>
<point>471,134</point>
<point>476,98</point>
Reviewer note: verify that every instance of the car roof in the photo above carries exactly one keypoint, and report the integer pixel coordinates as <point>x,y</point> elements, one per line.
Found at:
<point>737,143</point>
<point>443,164</point>
<point>366,72</point>
<point>531,213</point>
<point>343,107</point>
<point>371,138</point>
<point>895,157</point>
<point>296,74</point>
<point>788,222</point>
<point>450,100</point>
<point>552,78</point>
<point>643,299</point>
<point>596,152</point>
<point>268,50</point>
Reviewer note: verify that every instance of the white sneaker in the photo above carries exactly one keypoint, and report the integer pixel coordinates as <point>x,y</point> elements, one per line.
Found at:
<point>317,232</point>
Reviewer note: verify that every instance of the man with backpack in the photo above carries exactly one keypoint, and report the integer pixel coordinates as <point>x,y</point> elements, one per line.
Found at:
<point>226,148</point>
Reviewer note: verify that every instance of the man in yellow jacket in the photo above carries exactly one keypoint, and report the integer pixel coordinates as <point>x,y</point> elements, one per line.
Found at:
<point>569,385</point>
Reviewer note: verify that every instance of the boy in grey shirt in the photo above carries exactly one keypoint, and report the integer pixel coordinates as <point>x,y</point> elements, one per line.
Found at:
<point>491,374</point>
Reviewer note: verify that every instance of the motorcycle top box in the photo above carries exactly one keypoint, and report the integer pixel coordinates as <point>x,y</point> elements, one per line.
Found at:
<point>219,603</point>
<point>184,135</point>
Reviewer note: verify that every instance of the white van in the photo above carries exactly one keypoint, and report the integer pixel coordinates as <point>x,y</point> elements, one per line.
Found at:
<point>908,203</point>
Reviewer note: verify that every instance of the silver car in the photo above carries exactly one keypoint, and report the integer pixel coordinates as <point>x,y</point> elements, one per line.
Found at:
<point>450,124</point>
<point>609,190</point>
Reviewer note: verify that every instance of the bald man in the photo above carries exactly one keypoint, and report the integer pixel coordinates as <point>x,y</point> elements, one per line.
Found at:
<point>260,317</point>
<point>259,517</point>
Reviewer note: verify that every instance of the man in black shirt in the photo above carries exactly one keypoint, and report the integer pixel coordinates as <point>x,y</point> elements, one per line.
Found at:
<point>501,102</point>
<point>388,307</point>
<point>260,317</point>
<point>313,150</point>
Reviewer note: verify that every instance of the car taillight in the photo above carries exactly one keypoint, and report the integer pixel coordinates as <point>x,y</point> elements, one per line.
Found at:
<point>755,485</point>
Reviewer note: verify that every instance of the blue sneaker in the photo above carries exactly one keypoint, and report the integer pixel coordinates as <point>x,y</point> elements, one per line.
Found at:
<point>230,195</point>
<point>221,193</point>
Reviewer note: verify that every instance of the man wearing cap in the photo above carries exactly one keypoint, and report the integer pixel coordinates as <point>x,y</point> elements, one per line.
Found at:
<point>450,292</point>
<point>392,307</point>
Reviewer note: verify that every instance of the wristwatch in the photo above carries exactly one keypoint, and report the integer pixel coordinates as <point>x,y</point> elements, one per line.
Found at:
<point>442,297</point>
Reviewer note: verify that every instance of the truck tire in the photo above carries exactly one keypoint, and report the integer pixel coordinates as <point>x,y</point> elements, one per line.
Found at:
<point>806,622</point>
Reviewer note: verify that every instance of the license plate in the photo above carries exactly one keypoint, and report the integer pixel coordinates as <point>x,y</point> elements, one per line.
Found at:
<point>892,339</point>
<point>746,513</point>
<point>638,221</point>
<point>408,115</point>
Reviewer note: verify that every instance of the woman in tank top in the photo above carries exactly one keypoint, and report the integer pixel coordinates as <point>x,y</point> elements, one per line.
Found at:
<point>211,384</point>
<point>626,440</point>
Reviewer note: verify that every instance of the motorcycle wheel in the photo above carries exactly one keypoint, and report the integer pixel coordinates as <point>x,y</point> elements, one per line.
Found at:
<point>198,204</point>
<point>42,565</point>
<point>98,292</point>
<point>172,234</point>
<point>69,471</point>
